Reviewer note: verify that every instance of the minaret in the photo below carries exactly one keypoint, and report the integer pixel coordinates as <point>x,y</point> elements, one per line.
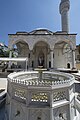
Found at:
<point>64,8</point>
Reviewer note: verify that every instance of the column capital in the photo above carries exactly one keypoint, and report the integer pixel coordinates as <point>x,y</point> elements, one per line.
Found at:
<point>51,49</point>
<point>73,50</point>
<point>11,48</point>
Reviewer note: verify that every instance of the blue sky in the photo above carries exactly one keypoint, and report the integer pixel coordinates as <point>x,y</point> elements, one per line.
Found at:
<point>27,15</point>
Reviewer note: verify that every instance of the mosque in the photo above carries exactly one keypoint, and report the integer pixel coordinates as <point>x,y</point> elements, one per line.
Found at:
<point>45,48</point>
<point>44,95</point>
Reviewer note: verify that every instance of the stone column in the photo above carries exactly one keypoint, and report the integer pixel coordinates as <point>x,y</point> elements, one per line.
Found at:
<point>26,68</point>
<point>51,58</point>
<point>31,57</point>
<point>10,56</point>
<point>73,59</point>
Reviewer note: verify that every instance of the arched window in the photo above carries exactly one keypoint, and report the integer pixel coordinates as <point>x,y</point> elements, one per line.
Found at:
<point>68,65</point>
<point>38,118</point>
<point>32,64</point>
<point>49,64</point>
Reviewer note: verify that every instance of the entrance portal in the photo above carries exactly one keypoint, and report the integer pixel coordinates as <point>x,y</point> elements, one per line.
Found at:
<point>68,65</point>
<point>41,59</point>
<point>38,118</point>
<point>41,52</point>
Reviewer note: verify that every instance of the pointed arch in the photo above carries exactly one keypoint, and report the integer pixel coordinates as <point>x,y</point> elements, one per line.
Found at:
<point>40,52</point>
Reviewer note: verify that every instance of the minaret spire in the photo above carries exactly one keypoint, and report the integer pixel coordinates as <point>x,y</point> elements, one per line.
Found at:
<point>64,9</point>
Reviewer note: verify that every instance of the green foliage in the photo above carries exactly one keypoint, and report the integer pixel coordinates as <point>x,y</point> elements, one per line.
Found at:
<point>4,53</point>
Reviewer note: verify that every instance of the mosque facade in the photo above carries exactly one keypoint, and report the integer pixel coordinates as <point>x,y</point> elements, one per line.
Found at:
<point>46,48</point>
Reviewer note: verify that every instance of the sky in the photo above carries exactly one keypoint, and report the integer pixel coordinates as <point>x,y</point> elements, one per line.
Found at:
<point>28,15</point>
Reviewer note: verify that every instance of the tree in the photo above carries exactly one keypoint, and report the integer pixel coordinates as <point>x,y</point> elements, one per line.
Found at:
<point>3,52</point>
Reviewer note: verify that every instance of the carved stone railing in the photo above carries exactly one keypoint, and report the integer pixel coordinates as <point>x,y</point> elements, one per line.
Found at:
<point>59,95</point>
<point>48,79</point>
<point>35,82</point>
<point>27,88</point>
